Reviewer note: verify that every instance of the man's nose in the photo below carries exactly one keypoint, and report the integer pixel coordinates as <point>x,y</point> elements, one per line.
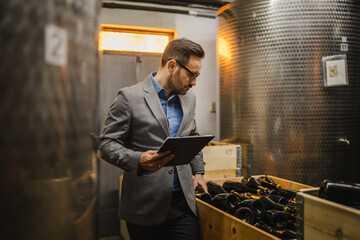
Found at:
<point>193,82</point>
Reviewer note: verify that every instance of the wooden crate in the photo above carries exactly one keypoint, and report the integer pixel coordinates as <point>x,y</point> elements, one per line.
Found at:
<point>326,220</point>
<point>218,225</point>
<point>222,161</point>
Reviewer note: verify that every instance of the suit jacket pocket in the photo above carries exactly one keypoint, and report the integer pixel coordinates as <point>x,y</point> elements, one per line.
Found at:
<point>142,194</point>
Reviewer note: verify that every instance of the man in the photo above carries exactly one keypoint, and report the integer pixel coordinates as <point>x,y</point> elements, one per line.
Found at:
<point>157,202</point>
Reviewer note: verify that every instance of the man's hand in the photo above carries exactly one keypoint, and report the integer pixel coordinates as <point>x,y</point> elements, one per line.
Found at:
<point>199,183</point>
<point>152,161</point>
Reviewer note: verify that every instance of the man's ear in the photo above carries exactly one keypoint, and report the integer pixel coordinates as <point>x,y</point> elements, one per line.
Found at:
<point>171,64</point>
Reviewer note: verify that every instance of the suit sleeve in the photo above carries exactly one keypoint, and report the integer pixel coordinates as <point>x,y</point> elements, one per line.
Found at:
<point>113,138</point>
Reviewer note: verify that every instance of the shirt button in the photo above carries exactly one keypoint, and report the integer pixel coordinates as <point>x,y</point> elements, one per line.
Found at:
<point>170,171</point>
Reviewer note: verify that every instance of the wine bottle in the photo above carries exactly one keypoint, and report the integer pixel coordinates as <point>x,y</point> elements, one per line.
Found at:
<point>288,193</point>
<point>278,199</point>
<point>227,202</point>
<point>290,216</point>
<point>291,221</point>
<point>341,192</point>
<point>269,183</point>
<point>214,188</point>
<point>284,234</point>
<point>290,207</point>
<point>269,204</point>
<point>273,192</point>
<point>252,182</point>
<point>244,196</point>
<point>256,205</point>
<point>239,187</point>
<point>276,219</point>
<point>245,214</point>
<point>292,201</point>
<point>206,197</point>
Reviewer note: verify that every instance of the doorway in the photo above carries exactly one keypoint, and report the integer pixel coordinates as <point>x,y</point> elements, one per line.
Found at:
<point>119,69</point>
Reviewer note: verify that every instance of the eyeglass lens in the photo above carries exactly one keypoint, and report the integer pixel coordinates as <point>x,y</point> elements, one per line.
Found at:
<point>193,75</point>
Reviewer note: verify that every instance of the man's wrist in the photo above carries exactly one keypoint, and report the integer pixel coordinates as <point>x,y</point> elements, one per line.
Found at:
<point>140,170</point>
<point>202,172</point>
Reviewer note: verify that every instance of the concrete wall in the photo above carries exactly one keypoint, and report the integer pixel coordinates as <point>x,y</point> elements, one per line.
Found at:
<point>199,29</point>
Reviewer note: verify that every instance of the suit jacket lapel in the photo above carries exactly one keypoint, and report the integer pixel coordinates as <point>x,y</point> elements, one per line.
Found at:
<point>154,104</point>
<point>185,105</point>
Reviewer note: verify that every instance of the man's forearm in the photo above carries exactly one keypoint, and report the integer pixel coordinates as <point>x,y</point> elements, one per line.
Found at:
<point>120,156</point>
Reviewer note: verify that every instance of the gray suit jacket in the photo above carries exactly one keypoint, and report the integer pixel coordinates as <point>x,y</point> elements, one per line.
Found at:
<point>136,123</point>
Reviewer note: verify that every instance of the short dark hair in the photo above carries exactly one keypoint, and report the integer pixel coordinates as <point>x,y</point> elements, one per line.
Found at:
<point>181,50</point>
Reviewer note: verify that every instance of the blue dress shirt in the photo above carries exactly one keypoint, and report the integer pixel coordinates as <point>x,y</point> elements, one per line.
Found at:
<point>174,114</point>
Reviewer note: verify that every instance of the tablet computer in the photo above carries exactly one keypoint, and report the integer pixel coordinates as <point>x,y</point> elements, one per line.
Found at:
<point>184,148</point>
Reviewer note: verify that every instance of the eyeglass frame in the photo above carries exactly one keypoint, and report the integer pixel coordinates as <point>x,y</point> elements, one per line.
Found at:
<point>193,75</point>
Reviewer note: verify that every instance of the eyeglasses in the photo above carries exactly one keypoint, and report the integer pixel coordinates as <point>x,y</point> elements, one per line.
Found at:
<point>192,74</point>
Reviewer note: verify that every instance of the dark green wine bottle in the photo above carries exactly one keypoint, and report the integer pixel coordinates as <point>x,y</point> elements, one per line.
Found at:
<point>245,214</point>
<point>288,193</point>
<point>239,187</point>
<point>214,188</point>
<point>256,205</point>
<point>227,202</point>
<point>276,219</point>
<point>269,183</point>
<point>254,183</point>
<point>341,192</point>
<point>206,197</point>
<point>278,199</point>
<point>270,204</point>
<point>244,196</point>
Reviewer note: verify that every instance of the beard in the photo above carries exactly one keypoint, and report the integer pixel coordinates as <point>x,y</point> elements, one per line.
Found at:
<point>175,83</point>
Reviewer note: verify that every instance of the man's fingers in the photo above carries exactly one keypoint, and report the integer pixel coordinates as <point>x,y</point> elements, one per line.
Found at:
<point>162,161</point>
<point>202,188</point>
<point>165,159</point>
<point>163,154</point>
<point>168,158</point>
<point>152,162</point>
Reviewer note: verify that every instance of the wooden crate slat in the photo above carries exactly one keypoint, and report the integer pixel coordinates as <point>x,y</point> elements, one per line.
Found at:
<point>328,220</point>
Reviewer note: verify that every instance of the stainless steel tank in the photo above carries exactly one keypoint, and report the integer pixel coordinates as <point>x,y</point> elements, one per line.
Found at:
<point>272,94</point>
<point>48,89</point>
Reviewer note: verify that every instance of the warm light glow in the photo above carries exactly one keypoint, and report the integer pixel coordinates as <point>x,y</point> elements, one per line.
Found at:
<point>223,48</point>
<point>132,42</point>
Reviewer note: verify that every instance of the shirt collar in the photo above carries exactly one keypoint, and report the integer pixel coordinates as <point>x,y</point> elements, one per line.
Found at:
<point>159,89</point>
<point>157,85</point>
